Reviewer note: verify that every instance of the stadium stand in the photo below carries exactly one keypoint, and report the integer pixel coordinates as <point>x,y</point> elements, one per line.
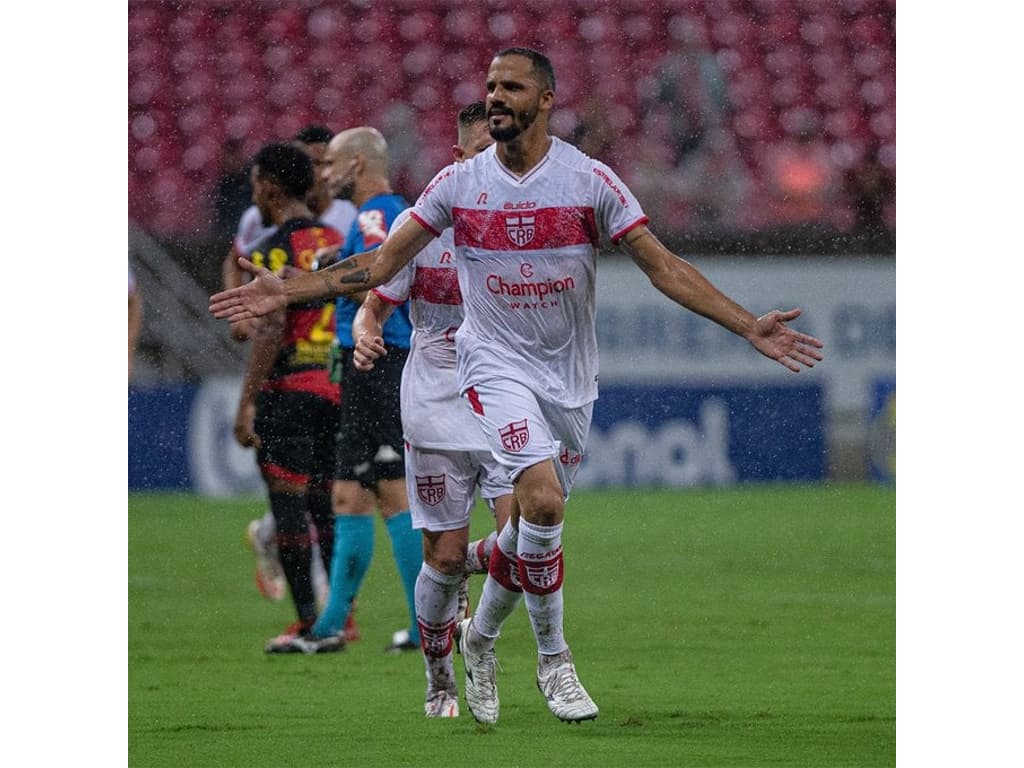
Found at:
<point>201,72</point>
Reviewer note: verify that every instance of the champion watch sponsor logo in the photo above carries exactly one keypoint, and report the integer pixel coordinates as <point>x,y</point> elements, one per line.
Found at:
<point>430,489</point>
<point>540,289</point>
<point>515,436</point>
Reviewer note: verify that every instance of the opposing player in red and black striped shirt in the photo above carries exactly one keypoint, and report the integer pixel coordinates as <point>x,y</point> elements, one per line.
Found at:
<point>288,409</point>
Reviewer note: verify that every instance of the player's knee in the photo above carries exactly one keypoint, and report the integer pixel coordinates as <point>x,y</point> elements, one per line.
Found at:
<point>543,505</point>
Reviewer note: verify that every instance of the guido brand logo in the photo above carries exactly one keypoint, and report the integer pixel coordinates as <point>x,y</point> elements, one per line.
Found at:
<point>522,205</point>
<point>520,229</point>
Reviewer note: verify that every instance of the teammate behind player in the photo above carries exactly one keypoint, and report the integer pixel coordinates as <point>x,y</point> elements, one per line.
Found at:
<point>446,454</point>
<point>526,216</point>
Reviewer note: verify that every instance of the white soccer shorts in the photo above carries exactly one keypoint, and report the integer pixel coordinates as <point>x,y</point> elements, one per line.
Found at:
<point>442,485</point>
<point>524,430</point>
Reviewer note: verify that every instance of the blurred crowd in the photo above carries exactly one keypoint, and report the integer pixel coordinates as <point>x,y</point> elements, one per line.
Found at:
<point>726,117</point>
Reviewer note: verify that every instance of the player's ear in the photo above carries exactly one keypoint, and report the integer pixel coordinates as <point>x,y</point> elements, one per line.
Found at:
<point>457,153</point>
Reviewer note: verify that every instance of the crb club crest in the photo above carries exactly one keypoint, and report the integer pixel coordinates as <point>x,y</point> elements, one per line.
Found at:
<point>544,576</point>
<point>515,436</point>
<point>430,489</point>
<point>520,229</point>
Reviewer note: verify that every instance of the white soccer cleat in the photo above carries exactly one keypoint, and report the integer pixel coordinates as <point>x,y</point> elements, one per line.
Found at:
<point>270,579</point>
<point>441,704</point>
<point>481,687</point>
<point>567,699</point>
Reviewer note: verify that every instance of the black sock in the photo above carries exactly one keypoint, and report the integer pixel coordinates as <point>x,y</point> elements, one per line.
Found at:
<point>323,518</point>
<point>295,550</point>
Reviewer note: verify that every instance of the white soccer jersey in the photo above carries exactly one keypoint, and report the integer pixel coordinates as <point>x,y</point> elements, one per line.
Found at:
<point>433,414</point>
<point>339,215</point>
<point>526,253</point>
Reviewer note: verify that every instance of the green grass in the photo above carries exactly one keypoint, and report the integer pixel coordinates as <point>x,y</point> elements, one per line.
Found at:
<point>742,627</point>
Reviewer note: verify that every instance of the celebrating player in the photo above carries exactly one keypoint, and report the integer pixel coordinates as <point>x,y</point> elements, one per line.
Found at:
<point>526,217</point>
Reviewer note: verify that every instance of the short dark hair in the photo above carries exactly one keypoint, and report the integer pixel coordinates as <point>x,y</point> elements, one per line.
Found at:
<point>288,166</point>
<point>472,113</point>
<point>314,134</point>
<point>540,63</point>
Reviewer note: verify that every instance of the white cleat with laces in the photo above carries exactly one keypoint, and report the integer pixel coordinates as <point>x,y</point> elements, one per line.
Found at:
<point>481,688</point>
<point>567,699</point>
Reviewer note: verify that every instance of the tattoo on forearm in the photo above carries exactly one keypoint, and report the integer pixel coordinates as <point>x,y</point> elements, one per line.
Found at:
<point>359,278</point>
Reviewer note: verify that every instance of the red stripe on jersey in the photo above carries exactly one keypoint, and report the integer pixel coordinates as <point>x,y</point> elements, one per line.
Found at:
<point>436,285</point>
<point>388,299</point>
<point>527,230</point>
<point>619,235</point>
<point>422,223</point>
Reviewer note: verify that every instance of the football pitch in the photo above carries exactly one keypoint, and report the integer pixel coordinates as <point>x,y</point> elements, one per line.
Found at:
<point>753,626</point>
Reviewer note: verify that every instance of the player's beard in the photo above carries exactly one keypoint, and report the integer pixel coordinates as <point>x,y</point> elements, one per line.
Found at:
<point>520,122</point>
<point>346,189</point>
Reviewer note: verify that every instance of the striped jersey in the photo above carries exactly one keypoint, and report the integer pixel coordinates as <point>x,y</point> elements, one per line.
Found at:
<point>526,253</point>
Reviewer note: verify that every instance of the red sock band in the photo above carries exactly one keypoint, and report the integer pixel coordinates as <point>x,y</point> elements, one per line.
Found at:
<point>504,571</point>
<point>541,576</point>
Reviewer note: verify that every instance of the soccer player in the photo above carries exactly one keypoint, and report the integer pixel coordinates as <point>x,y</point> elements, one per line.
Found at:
<point>288,406</point>
<point>339,215</point>
<point>526,217</point>
<point>369,469</point>
<point>446,454</point>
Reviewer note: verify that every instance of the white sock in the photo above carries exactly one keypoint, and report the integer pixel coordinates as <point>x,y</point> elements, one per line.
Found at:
<point>267,529</point>
<point>437,597</point>
<point>478,553</point>
<point>541,569</point>
<point>500,595</point>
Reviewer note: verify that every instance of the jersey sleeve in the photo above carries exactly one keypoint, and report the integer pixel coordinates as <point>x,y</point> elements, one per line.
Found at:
<point>616,207</point>
<point>433,209</point>
<point>397,289</point>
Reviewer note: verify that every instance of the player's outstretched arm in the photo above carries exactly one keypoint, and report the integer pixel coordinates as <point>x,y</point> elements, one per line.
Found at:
<point>361,272</point>
<point>685,285</point>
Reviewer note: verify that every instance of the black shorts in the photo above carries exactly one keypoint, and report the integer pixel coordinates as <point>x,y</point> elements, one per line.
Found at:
<point>370,446</point>
<point>297,432</point>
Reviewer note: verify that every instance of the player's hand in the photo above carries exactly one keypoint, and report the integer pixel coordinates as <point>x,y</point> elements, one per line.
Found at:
<point>260,296</point>
<point>366,352</point>
<point>245,426</point>
<point>773,338</point>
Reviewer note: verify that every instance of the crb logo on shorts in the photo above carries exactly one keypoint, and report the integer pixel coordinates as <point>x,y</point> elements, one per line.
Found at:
<point>515,436</point>
<point>430,489</point>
